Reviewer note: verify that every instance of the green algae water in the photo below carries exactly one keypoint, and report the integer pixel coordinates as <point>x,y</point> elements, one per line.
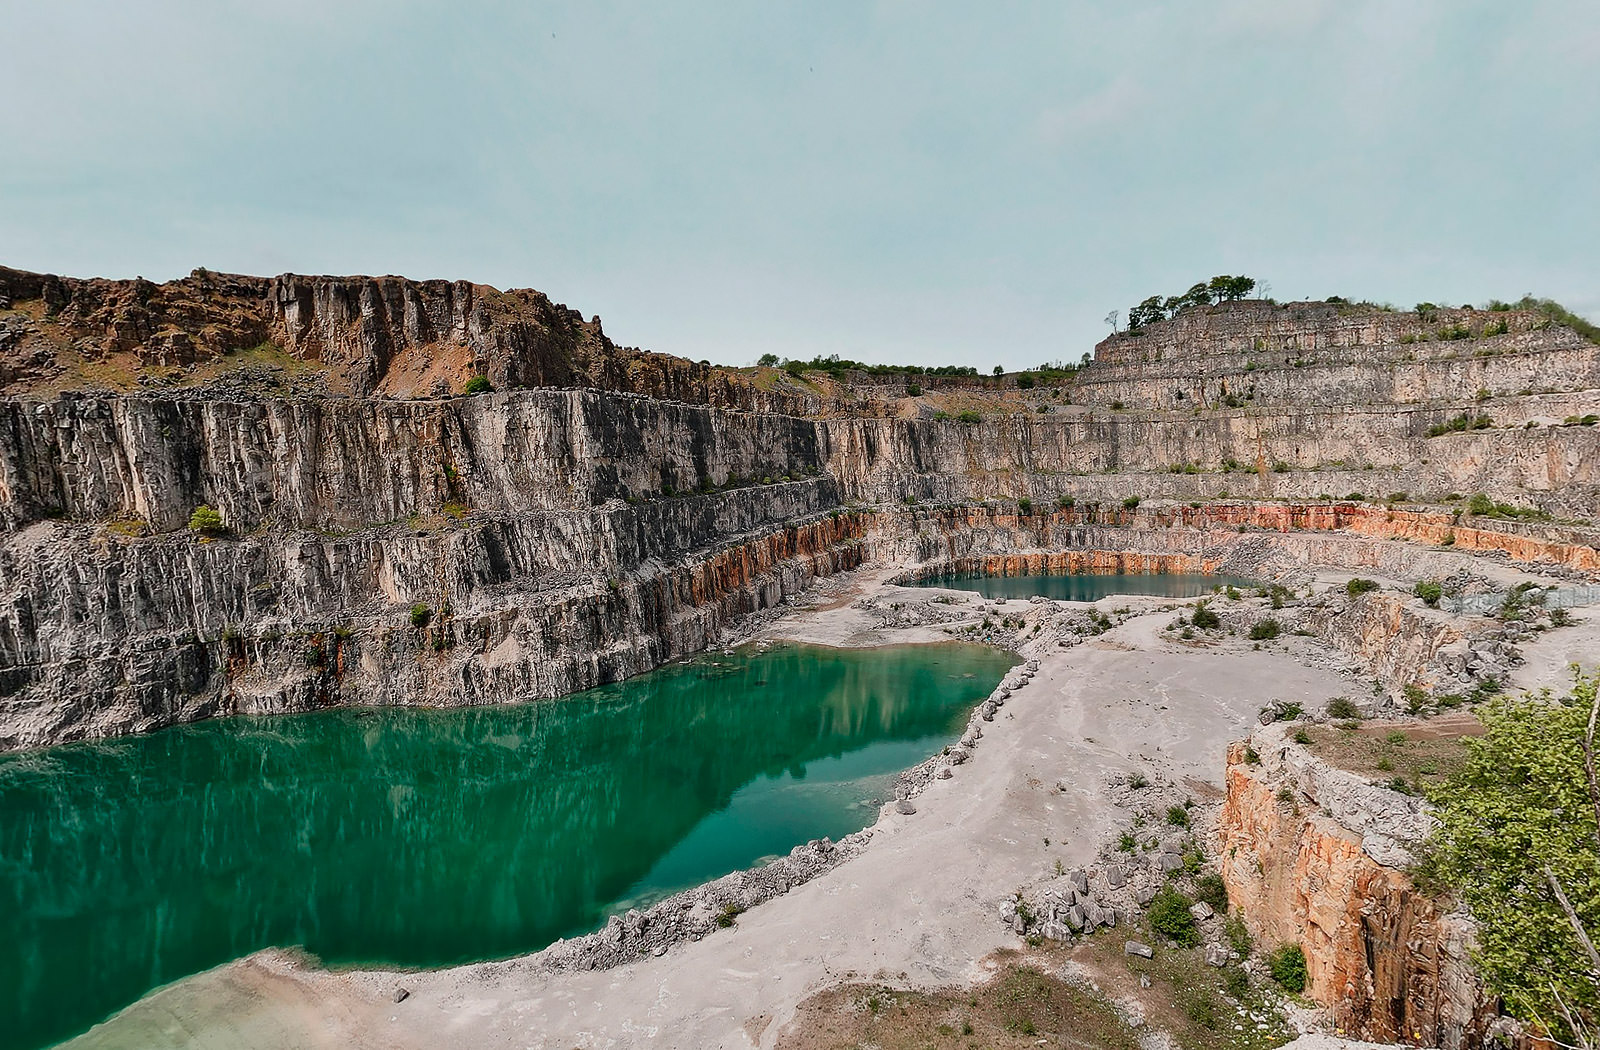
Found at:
<point>429,837</point>
<point>1088,587</point>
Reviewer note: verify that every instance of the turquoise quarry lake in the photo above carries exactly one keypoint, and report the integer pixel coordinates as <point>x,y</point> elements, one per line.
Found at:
<point>429,837</point>
<point>1088,587</point>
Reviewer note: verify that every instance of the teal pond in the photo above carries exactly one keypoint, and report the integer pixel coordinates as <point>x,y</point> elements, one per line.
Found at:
<point>427,837</point>
<point>1088,587</point>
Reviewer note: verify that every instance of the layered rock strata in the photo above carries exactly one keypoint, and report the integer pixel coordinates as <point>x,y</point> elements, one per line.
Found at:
<point>608,508</point>
<point>1315,856</point>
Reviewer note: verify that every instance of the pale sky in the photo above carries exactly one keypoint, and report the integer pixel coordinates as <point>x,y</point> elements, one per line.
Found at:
<point>892,181</point>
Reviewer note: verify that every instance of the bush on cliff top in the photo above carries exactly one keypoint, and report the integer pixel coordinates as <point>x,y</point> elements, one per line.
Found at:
<point>479,385</point>
<point>1517,832</point>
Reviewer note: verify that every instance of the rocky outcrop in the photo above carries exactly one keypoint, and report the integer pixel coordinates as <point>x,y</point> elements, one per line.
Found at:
<point>1315,856</point>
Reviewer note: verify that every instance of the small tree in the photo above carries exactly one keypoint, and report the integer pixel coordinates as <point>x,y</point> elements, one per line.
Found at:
<point>479,385</point>
<point>206,521</point>
<point>999,370</point>
<point>1518,842</point>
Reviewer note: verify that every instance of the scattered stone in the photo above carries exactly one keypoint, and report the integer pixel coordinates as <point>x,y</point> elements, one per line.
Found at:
<point>1138,948</point>
<point>1008,911</point>
<point>1216,955</point>
<point>1116,878</point>
<point>1201,911</point>
<point>1169,862</point>
<point>959,755</point>
<point>1145,893</point>
<point>1078,879</point>
<point>945,774</point>
<point>401,994</point>
<point>1144,981</point>
<point>1075,917</point>
<point>1056,931</point>
<point>905,807</point>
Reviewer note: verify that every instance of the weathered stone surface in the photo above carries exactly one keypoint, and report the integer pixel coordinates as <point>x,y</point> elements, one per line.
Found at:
<point>1138,948</point>
<point>1385,957</point>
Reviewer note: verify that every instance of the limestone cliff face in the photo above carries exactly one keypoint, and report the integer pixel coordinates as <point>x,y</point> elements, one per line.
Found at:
<point>608,508</point>
<point>100,634</point>
<point>1099,454</point>
<point>343,463</point>
<point>1322,869</point>
<point>1304,354</point>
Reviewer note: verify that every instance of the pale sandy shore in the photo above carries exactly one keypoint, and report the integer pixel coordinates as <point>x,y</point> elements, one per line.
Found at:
<point>919,905</point>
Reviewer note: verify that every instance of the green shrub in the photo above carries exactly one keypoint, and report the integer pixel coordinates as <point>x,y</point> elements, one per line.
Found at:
<point>1358,586</point>
<point>1131,502</point>
<point>970,416</point>
<point>913,390</point>
<point>1177,816</point>
<point>1265,630</point>
<point>1302,737</point>
<point>1288,967</point>
<point>1025,506</point>
<point>1064,501</point>
<point>1211,889</point>
<point>1430,591</point>
<point>421,615</point>
<point>479,385</point>
<point>1204,618</point>
<point>1170,917</point>
<point>1343,707</point>
<point>205,521</point>
<point>1025,381</point>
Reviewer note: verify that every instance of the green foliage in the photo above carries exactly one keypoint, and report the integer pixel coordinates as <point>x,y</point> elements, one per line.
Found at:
<point>728,915</point>
<point>1558,314</point>
<point>1482,506</point>
<point>1065,501</point>
<point>421,615</point>
<point>835,366</point>
<point>1211,889</point>
<point>1343,707</point>
<point>479,385</point>
<point>1025,381</point>
<point>913,390</point>
<point>1430,591</point>
<point>1265,630</point>
<point>1169,916</point>
<point>1517,812</point>
<point>1131,502</point>
<point>205,521</point>
<point>1358,586</point>
<point>1456,424</point>
<point>767,360</point>
<point>1222,288</point>
<point>1177,816</point>
<point>1288,967</point>
<point>1204,618</point>
<point>970,416</point>
<point>1024,506</point>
